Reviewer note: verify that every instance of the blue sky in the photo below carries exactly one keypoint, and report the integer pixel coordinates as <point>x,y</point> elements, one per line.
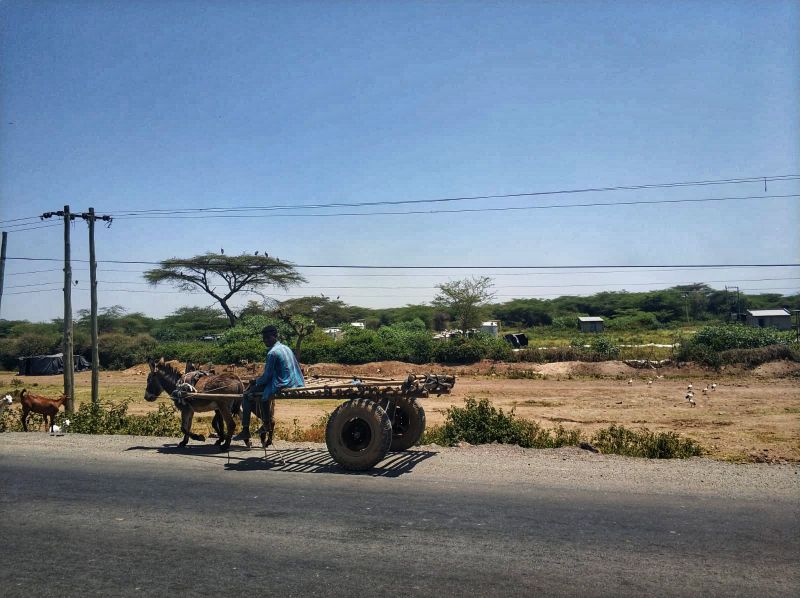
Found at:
<point>162,105</point>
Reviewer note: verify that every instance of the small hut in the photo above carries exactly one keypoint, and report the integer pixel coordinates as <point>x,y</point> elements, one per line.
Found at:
<point>591,323</point>
<point>769,318</point>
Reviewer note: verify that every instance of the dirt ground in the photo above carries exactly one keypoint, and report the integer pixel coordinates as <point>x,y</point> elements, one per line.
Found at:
<point>753,415</point>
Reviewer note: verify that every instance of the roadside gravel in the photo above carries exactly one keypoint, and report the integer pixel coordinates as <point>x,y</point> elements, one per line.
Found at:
<point>477,466</point>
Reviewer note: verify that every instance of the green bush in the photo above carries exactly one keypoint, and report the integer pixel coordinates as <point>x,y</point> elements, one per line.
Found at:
<point>8,353</point>
<point>120,351</point>
<point>105,418</point>
<point>709,342</point>
<point>196,351</point>
<point>603,348</point>
<point>358,346</point>
<point>644,443</point>
<point>548,355</point>
<point>754,357</point>
<point>458,351</point>
<point>236,351</point>
<point>318,348</point>
<point>479,422</point>
<point>566,322</point>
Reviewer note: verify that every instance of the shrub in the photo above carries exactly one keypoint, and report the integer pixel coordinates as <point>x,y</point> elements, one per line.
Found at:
<point>479,422</point>
<point>119,351</point>
<point>104,418</point>
<point>706,346</point>
<point>754,357</point>
<point>318,349</point>
<point>236,351</point>
<point>548,355</point>
<point>316,433</point>
<point>196,352</point>
<point>603,349</point>
<point>358,346</point>
<point>644,443</point>
<point>458,351</point>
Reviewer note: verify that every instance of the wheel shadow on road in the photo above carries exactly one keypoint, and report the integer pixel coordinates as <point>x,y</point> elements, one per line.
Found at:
<point>320,461</point>
<point>291,460</point>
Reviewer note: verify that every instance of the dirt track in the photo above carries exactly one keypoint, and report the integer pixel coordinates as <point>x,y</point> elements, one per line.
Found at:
<point>752,415</point>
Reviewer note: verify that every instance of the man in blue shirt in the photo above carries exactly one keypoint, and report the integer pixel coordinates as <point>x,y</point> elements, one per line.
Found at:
<point>281,370</point>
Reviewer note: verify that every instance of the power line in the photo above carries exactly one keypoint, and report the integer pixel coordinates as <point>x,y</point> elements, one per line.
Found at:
<point>21,230</point>
<point>463,210</point>
<point>388,296</point>
<point>474,267</point>
<point>734,181</point>
<point>703,183</point>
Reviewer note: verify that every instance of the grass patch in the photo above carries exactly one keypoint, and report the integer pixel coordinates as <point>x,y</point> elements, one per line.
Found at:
<point>479,422</point>
<point>294,433</point>
<point>104,418</point>
<point>619,440</point>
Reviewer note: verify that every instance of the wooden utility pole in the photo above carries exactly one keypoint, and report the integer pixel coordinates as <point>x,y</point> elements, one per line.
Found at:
<point>93,287</point>
<point>3,263</point>
<point>91,219</point>
<point>69,366</point>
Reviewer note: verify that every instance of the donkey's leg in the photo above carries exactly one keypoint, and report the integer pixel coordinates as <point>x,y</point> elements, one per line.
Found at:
<point>197,437</point>
<point>231,426</point>
<point>268,410</point>
<point>217,426</point>
<point>25,414</point>
<point>186,425</point>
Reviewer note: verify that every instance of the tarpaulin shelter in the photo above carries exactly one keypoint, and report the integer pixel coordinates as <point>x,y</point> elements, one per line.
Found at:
<point>49,365</point>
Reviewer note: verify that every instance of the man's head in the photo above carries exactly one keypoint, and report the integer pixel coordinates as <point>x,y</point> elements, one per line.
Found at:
<point>269,334</point>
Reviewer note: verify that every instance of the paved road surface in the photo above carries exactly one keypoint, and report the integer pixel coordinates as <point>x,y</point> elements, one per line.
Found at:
<point>122,516</point>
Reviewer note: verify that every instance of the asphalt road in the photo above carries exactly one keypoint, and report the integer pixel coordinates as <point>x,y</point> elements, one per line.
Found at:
<point>146,520</point>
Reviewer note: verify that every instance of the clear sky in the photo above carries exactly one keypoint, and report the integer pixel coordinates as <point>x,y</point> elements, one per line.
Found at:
<point>145,105</point>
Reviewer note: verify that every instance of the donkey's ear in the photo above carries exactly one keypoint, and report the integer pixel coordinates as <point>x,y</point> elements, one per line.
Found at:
<point>161,361</point>
<point>152,363</point>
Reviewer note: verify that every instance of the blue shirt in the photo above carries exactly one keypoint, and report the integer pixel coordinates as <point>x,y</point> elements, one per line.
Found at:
<point>281,370</point>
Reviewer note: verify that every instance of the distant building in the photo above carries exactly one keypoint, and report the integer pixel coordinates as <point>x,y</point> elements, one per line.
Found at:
<point>591,323</point>
<point>358,324</point>
<point>769,318</point>
<point>491,327</point>
<point>334,333</point>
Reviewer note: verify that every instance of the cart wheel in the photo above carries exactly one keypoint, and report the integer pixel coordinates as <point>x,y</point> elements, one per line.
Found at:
<point>409,423</point>
<point>358,434</point>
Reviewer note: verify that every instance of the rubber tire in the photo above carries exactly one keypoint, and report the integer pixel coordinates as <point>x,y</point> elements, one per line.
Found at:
<point>410,415</point>
<point>352,420</point>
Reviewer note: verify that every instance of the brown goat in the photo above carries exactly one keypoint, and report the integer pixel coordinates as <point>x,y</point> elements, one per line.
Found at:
<point>39,404</point>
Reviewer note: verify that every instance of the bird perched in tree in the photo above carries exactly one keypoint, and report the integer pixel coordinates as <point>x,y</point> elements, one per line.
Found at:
<point>221,251</point>
<point>256,253</point>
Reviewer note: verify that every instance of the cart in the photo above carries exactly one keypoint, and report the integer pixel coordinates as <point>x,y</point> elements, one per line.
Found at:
<point>377,415</point>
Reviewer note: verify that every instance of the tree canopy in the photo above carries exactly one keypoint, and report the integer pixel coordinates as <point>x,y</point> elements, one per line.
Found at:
<point>223,276</point>
<point>465,299</point>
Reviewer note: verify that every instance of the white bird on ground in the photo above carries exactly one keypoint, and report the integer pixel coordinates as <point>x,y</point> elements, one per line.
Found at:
<point>705,390</point>
<point>690,387</point>
<point>714,386</point>
<point>649,383</point>
<point>630,381</point>
<point>690,398</point>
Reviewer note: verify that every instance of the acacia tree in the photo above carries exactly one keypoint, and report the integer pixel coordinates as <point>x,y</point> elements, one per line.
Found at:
<point>465,299</point>
<point>233,273</point>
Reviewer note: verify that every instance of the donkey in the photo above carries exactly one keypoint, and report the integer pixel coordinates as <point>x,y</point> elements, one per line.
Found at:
<point>164,377</point>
